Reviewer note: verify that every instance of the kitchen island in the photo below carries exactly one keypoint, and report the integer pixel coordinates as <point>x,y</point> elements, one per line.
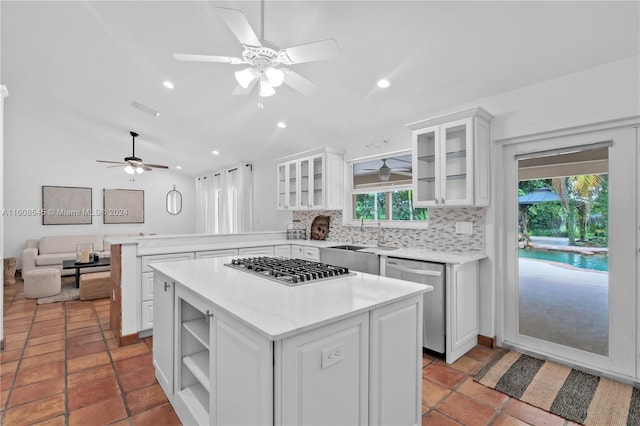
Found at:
<point>235,348</point>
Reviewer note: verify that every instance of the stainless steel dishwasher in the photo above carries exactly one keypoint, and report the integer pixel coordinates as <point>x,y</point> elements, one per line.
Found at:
<point>433,274</point>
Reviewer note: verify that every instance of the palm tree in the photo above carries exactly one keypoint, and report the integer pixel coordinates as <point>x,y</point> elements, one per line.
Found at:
<point>577,194</point>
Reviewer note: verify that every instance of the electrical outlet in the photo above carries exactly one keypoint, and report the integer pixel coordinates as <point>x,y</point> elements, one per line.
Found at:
<point>464,227</point>
<point>332,355</point>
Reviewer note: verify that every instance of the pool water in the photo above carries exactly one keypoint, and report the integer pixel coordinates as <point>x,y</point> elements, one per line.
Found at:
<point>598,262</point>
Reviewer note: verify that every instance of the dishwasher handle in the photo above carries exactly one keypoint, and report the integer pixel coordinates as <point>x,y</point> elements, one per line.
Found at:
<point>396,267</point>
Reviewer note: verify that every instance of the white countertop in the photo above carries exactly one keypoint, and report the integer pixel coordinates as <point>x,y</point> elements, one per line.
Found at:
<point>276,310</point>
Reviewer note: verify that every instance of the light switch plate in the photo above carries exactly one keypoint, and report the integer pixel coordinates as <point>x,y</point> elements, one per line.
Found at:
<point>464,227</point>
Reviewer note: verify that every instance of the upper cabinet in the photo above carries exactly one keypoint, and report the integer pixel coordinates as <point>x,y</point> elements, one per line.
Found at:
<point>311,180</point>
<point>451,159</point>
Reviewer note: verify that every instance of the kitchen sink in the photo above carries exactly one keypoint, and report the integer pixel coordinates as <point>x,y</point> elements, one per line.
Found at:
<point>349,257</point>
<point>348,247</point>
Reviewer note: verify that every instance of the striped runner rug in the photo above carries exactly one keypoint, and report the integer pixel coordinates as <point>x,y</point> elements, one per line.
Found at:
<point>566,392</point>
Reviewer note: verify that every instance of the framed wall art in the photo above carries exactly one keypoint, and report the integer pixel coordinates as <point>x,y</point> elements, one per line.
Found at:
<point>123,206</point>
<point>66,205</point>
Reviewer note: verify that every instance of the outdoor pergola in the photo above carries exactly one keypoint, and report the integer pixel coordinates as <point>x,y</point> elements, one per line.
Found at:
<point>540,195</point>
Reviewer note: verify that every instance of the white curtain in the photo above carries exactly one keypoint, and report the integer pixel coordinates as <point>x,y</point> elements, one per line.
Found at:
<point>224,201</point>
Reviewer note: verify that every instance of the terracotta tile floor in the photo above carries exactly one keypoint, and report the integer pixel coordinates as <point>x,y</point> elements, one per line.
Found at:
<point>61,366</point>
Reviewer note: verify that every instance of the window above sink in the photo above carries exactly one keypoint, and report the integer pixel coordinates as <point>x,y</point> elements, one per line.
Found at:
<point>381,190</point>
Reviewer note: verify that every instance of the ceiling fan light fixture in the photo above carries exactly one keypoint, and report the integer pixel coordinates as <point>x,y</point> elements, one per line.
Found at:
<point>129,169</point>
<point>266,89</point>
<point>384,175</point>
<point>245,77</point>
<point>139,170</point>
<point>275,76</point>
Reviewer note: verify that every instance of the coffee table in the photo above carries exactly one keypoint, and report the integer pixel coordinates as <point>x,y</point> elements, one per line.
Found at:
<point>71,264</point>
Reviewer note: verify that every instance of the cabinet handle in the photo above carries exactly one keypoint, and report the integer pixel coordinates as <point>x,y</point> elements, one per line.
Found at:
<point>166,286</point>
<point>443,201</point>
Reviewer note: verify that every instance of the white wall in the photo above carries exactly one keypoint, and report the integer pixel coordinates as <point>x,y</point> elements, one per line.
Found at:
<point>36,154</point>
<point>266,216</point>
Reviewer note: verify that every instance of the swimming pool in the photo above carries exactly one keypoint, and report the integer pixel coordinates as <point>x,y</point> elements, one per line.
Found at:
<point>598,262</point>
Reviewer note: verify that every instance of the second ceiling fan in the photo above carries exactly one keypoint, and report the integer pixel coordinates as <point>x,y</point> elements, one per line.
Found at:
<point>264,61</point>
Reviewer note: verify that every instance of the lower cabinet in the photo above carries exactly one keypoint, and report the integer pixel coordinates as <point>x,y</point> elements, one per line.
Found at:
<point>216,253</point>
<point>463,311</point>
<point>256,251</point>
<point>363,369</point>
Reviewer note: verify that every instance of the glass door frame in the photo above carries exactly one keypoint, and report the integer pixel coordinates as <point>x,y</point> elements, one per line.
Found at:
<point>623,293</point>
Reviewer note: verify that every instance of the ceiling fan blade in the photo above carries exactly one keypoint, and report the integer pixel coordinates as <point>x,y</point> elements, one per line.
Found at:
<point>155,166</point>
<point>112,162</point>
<point>208,58</point>
<point>111,167</point>
<point>239,90</point>
<point>239,26</point>
<point>316,51</point>
<point>396,172</point>
<point>299,83</point>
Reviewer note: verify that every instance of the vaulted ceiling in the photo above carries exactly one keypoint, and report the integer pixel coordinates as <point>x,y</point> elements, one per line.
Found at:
<point>79,65</point>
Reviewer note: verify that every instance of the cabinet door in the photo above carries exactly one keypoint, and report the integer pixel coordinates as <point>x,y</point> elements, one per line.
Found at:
<point>146,289</point>
<point>146,315</point>
<point>283,185</point>
<point>216,253</point>
<point>312,253</point>
<point>163,324</point>
<point>462,309</point>
<point>306,183</point>
<point>297,252</point>
<point>282,251</point>
<point>147,261</point>
<point>317,187</point>
<point>396,364</point>
<point>426,167</point>
<point>456,163</point>
<point>256,251</point>
<point>293,189</point>
<point>243,375</point>
<point>324,375</point>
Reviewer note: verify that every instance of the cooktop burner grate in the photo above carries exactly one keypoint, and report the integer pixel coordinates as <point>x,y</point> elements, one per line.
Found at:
<point>288,271</point>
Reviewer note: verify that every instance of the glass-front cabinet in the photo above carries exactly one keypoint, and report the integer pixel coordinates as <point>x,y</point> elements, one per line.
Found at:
<point>312,181</point>
<point>451,160</point>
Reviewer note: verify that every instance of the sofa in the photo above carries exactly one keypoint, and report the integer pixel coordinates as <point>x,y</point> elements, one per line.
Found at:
<point>50,251</point>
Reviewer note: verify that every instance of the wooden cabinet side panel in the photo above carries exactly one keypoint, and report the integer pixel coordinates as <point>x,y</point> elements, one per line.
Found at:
<point>115,308</point>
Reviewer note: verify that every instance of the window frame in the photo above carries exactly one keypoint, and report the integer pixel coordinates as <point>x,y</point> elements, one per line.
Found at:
<point>348,207</point>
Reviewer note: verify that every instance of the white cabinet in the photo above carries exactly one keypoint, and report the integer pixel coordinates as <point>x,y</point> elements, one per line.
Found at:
<point>297,252</point>
<point>163,325</point>
<point>216,253</point>
<point>325,375</point>
<point>451,159</point>
<point>310,181</point>
<point>462,301</point>
<point>256,251</point>
<point>223,370</point>
<point>282,251</point>
<point>305,252</point>
<point>147,284</point>
<point>394,396</point>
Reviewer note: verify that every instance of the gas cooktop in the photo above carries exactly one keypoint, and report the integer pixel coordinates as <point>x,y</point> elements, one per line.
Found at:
<point>289,271</point>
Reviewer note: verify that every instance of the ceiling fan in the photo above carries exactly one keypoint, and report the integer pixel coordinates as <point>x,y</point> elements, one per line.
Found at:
<point>264,61</point>
<point>134,164</point>
<point>384,172</point>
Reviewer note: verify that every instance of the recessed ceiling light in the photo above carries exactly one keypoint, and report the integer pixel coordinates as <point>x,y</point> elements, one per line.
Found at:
<point>214,152</point>
<point>167,84</point>
<point>179,167</point>
<point>281,124</point>
<point>383,83</point>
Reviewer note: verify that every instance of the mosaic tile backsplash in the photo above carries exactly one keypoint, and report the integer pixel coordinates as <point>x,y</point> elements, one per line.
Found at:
<point>440,235</point>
